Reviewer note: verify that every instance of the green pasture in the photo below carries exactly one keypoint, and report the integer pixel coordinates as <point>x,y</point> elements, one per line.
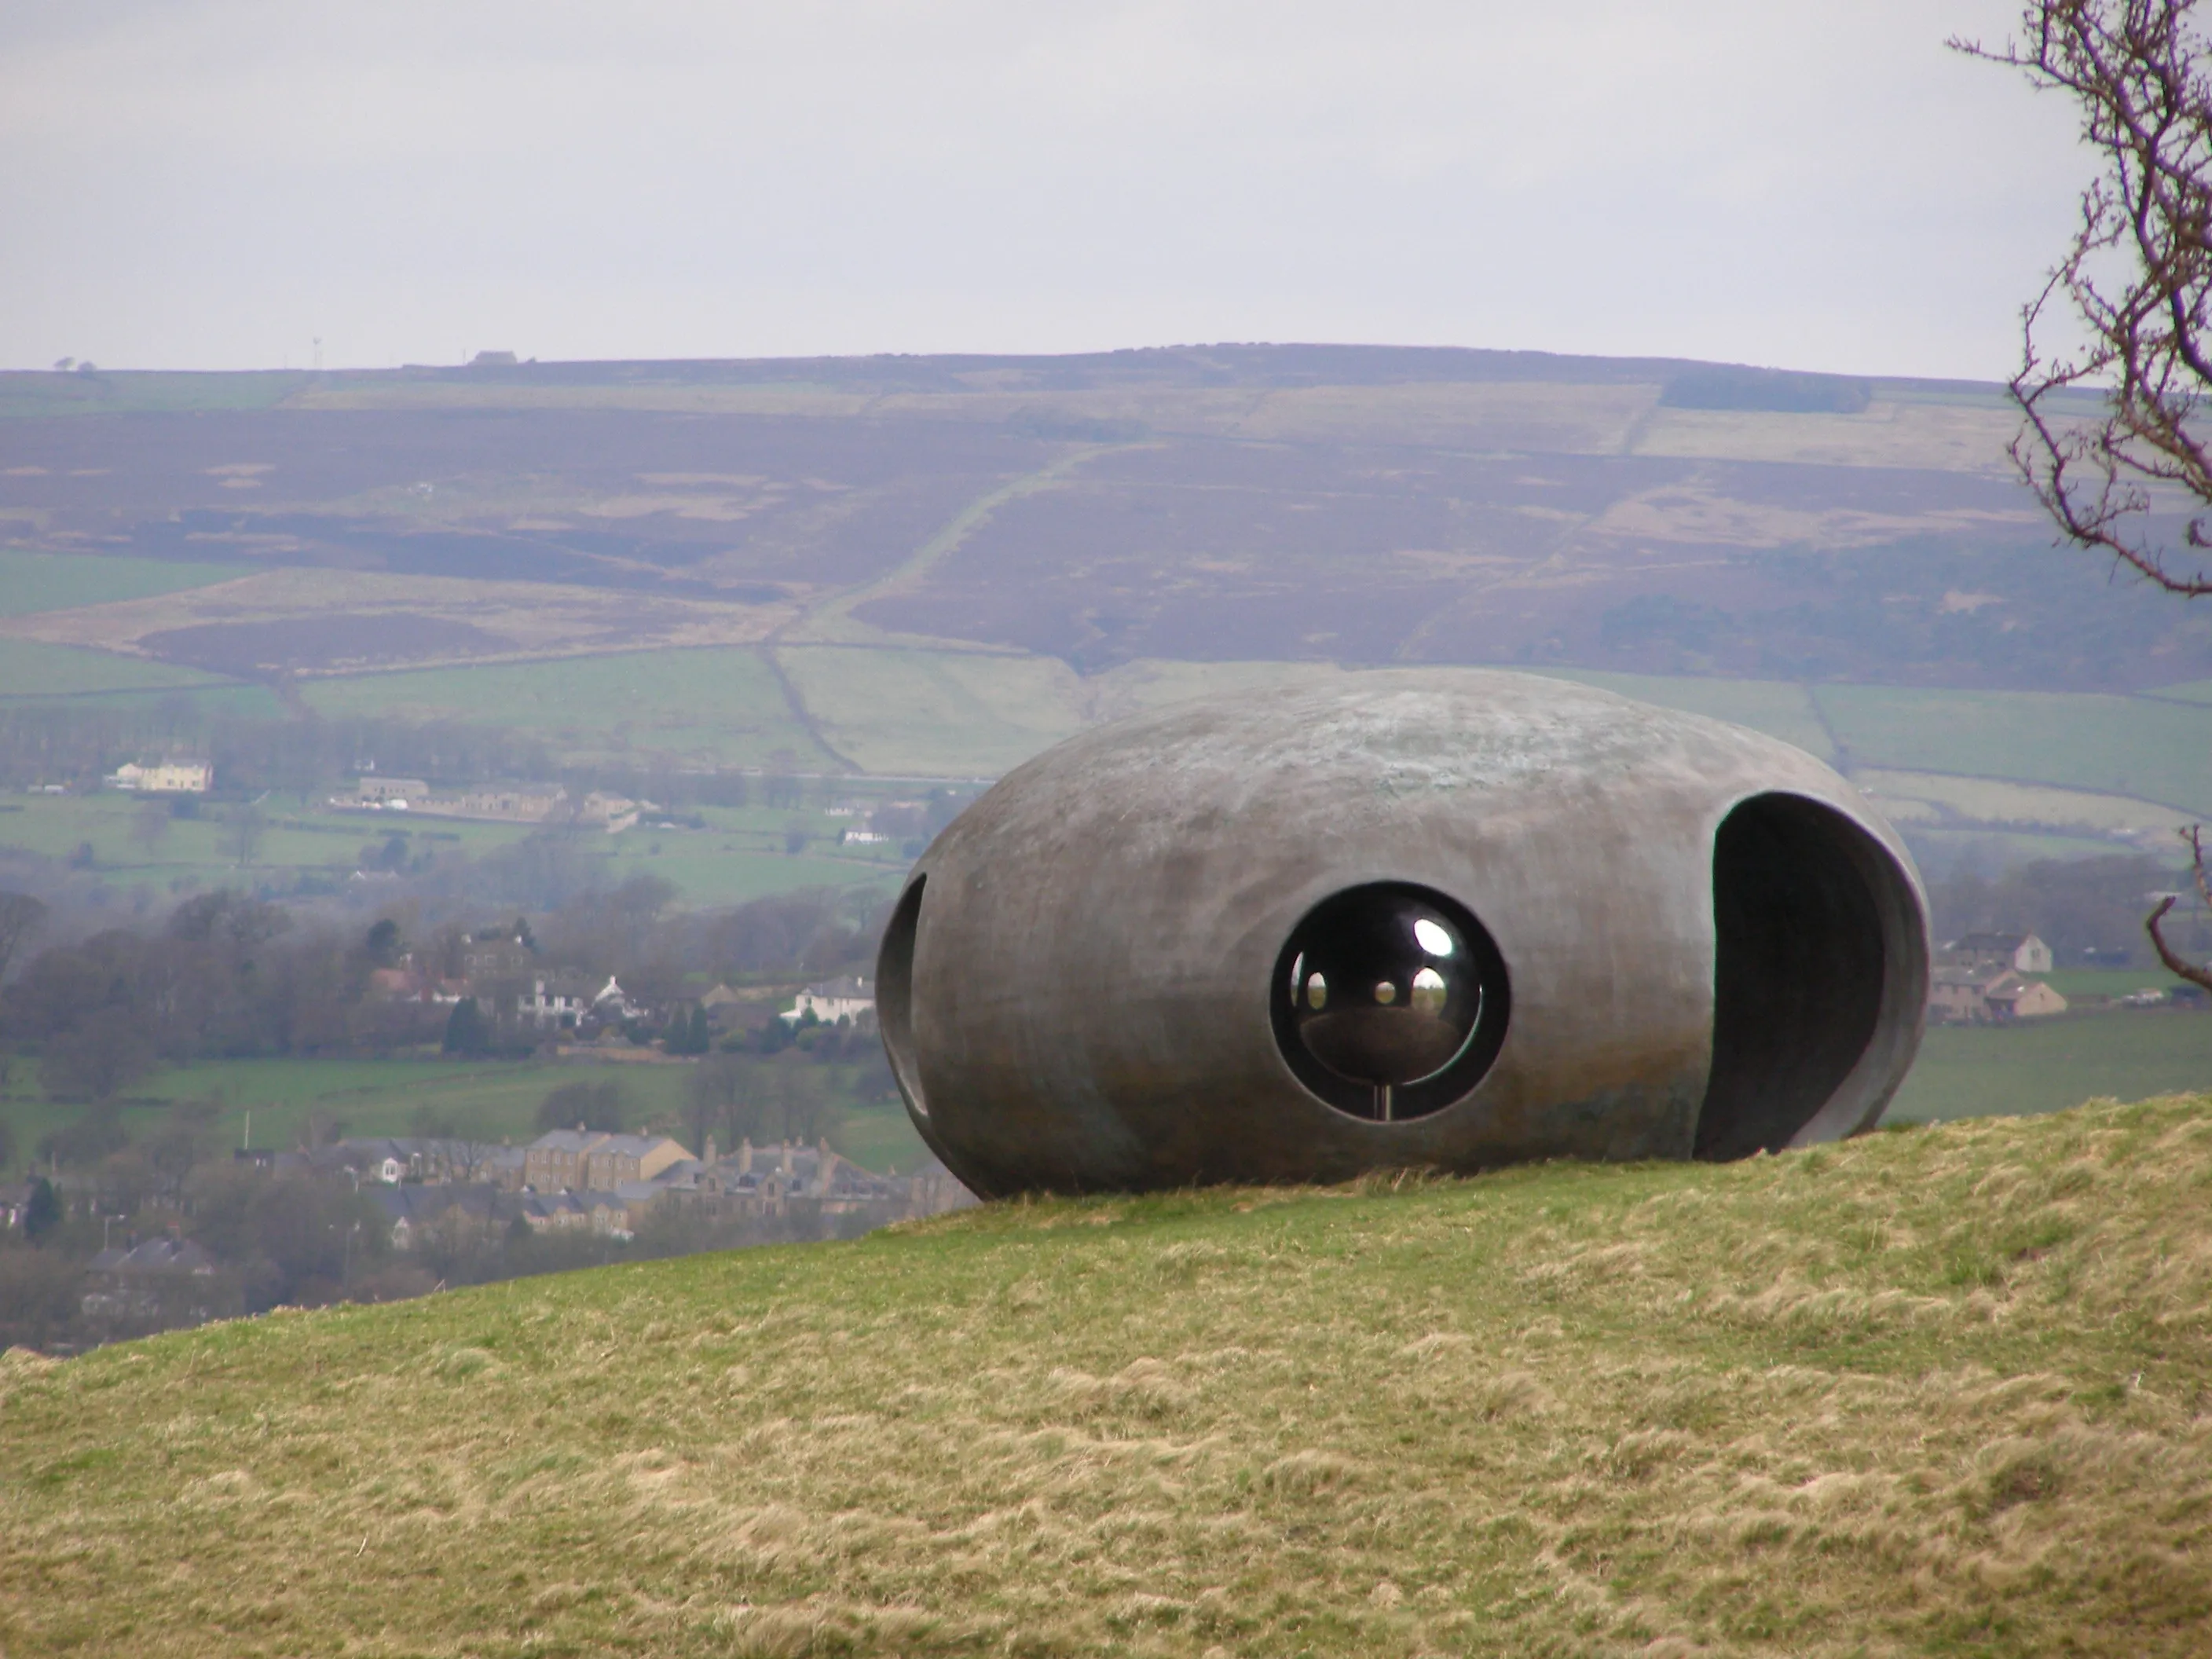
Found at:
<point>2159,751</point>
<point>32,582</point>
<point>708,871</point>
<point>31,668</point>
<point>134,839</point>
<point>954,714</point>
<point>721,707</point>
<point>935,714</point>
<point>225,698</point>
<point>44,394</point>
<point>1937,849</point>
<point>137,846</point>
<point>2047,1065</point>
<point>488,1100</point>
<point>1775,707</point>
<point>2107,981</point>
<point>134,842</point>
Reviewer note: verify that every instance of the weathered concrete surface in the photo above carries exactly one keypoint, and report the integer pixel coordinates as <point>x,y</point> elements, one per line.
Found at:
<point>1079,1000</point>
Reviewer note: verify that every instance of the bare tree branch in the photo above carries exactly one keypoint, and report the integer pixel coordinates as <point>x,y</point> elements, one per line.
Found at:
<point>2136,283</point>
<point>2176,964</point>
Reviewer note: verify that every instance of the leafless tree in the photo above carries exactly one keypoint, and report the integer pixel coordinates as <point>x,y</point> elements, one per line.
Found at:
<point>150,823</point>
<point>2174,961</point>
<point>2134,291</point>
<point>21,917</point>
<point>2135,285</point>
<point>242,834</point>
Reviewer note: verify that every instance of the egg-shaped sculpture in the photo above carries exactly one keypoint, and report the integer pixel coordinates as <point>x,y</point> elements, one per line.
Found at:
<point>1440,921</point>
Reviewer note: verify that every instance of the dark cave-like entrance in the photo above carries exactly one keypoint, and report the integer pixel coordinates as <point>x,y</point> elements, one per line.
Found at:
<point>1818,949</point>
<point>894,992</point>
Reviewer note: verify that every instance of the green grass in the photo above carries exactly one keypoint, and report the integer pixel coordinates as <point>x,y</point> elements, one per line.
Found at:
<point>31,668</point>
<point>2160,751</point>
<point>950,714</point>
<point>2043,1065</point>
<point>1774,706</point>
<point>32,582</point>
<point>2107,981</point>
<point>1937,1392</point>
<point>935,714</point>
<point>62,581</point>
<point>488,1100</point>
<point>739,857</point>
<point>721,707</point>
<point>199,849</point>
<point>41,395</point>
<point>2195,691</point>
<point>706,875</point>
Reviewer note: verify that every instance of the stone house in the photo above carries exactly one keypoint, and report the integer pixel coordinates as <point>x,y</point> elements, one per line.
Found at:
<point>2023,953</point>
<point>587,1160</point>
<point>495,957</point>
<point>164,1274</point>
<point>1985,995</point>
<point>834,1000</point>
<point>558,1002</point>
<point>164,777</point>
<point>390,1161</point>
<point>2010,997</point>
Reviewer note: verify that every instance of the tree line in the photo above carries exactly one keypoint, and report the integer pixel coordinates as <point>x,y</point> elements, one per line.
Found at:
<point>228,975</point>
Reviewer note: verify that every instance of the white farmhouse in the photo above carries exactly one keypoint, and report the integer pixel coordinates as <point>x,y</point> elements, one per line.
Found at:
<point>833,1000</point>
<point>163,778</point>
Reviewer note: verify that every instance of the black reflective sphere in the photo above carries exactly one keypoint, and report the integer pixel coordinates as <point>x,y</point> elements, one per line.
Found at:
<point>1389,1001</point>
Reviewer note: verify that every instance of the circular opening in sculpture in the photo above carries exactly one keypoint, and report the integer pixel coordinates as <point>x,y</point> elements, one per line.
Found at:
<point>1389,1001</point>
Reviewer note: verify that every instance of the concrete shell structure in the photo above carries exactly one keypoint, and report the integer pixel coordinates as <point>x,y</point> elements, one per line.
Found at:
<point>1650,934</point>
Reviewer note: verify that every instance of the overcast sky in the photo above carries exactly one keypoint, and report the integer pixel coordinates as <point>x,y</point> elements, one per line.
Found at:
<point>1811,183</point>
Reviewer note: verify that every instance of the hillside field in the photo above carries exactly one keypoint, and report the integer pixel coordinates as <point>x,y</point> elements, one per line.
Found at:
<point>2045,1064</point>
<point>32,669</point>
<point>32,582</point>
<point>2140,746</point>
<point>1937,1391</point>
<point>491,1101</point>
<point>713,707</point>
<point>738,855</point>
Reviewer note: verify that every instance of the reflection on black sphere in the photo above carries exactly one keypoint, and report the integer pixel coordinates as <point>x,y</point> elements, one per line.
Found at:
<point>1383,989</point>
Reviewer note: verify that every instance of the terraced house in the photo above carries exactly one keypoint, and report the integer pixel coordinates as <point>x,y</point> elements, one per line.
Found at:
<point>585,1160</point>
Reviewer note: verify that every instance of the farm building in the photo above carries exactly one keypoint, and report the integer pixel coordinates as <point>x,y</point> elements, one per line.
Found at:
<point>1985,995</point>
<point>164,777</point>
<point>2023,953</point>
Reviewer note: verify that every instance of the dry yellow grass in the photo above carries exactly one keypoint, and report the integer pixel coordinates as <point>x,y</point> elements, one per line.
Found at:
<point>1943,437</point>
<point>1937,1392</point>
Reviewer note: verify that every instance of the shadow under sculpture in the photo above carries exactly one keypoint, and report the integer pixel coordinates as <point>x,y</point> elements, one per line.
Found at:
<point>1293,936</point>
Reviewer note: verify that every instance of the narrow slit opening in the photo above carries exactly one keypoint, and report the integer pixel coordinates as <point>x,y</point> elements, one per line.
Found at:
<point>895,994</point>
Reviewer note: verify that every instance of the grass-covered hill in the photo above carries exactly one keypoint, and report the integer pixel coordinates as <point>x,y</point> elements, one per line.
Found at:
<point>1940,1391</point>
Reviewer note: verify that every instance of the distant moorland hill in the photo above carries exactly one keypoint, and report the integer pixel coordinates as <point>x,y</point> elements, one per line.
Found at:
<point>935,565</point>
<point>1347,504</point>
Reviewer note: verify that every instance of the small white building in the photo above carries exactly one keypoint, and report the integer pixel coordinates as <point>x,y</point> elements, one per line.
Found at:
<point>2023,953</point>
<point>393,795</point>
<point>553,1002</point>
<point>613,1003</point>
<point>833,1000</point>
<point>164,778</point>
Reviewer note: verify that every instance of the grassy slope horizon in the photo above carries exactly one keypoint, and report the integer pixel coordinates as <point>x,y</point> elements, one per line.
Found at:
<point>1938,1391</point>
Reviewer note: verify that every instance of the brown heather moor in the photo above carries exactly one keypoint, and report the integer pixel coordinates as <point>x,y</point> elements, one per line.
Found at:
<point>1940,1391</point>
